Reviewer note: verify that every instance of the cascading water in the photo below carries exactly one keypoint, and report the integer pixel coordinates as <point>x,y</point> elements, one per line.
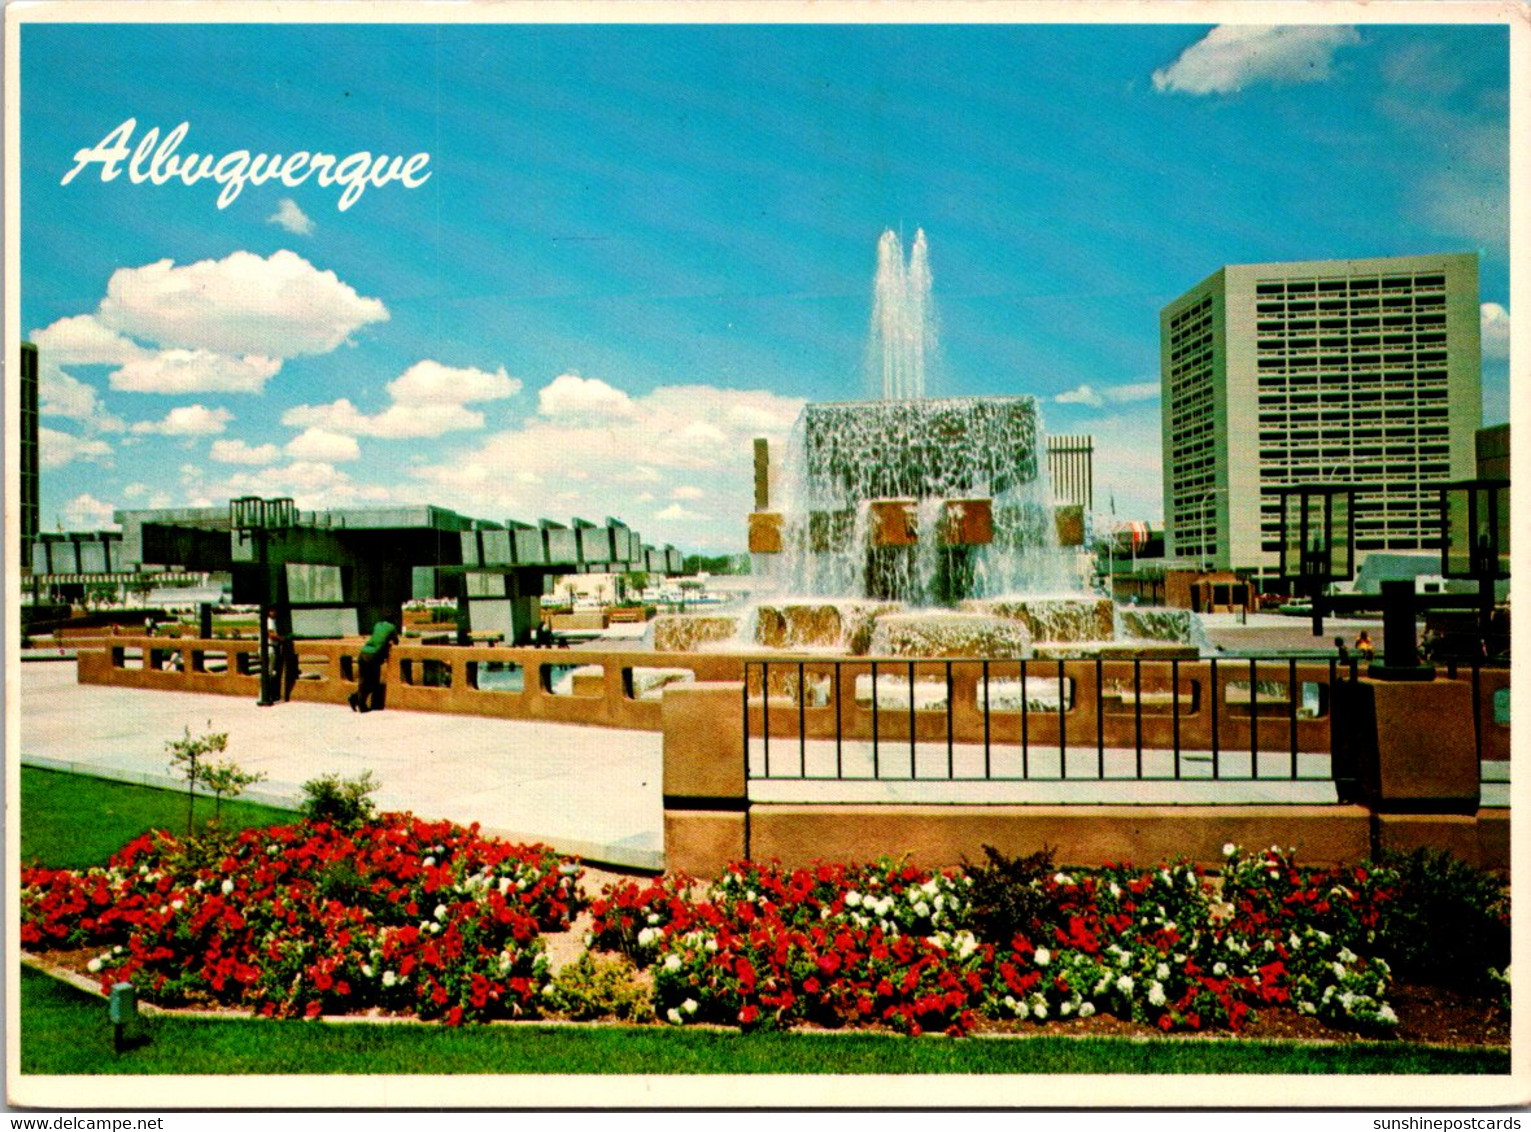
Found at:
<point>903,335</point>
<point>886,511</point>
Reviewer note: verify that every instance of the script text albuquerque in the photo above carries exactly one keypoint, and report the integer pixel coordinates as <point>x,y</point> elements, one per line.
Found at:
<point>157,161</point>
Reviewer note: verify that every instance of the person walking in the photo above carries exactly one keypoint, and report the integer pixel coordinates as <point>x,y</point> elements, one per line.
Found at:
<point>369,665</point>
<point>1339,647</point>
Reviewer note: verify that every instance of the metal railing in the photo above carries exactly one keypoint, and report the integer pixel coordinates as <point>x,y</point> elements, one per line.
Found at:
<point>961,720</point>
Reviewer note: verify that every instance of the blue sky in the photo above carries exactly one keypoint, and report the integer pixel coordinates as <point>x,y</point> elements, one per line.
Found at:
<point>640,247</point>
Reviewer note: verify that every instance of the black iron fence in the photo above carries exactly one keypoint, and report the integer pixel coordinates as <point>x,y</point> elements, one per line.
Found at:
<point>1134,719</point>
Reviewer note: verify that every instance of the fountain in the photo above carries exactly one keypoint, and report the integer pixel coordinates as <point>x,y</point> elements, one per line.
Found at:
<point>912,526</point>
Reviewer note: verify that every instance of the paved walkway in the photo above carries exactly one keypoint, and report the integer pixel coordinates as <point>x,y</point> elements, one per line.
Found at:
<point>589,791</point>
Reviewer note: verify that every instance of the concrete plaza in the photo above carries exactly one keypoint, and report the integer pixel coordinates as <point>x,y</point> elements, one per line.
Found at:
<point>594,792</point>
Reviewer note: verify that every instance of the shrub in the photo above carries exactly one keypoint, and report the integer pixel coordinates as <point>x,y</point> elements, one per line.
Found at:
<point>600,987</point>
<point>344,802</point>
<point>1447,922</point>
<point>1011,896</point>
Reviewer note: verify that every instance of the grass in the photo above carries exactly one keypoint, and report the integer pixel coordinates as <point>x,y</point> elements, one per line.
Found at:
<point>73,821</point>
<point>65,1031</point>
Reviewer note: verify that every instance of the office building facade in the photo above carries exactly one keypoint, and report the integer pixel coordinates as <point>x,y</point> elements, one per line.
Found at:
<point>1363,372</point>
<point>30,518</point>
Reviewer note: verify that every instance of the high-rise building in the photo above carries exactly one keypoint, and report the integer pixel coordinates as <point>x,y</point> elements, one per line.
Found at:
<point>29,486</point>
<point>1362,372</point>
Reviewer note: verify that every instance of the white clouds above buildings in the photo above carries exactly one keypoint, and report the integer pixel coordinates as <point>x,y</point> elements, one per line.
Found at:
<point>593,450</point>
<point>1088,395</point>
<point>55,449</point>
<point>195,371</point>
<point>279,307</point>
<point>570,397</point>
<point>429,400</point>
<point>87,513</point>
<point>242,452</point>
<point>1494,323</point>
<point>1232,58</point>
<point>321,445</point>
<point>187,420</point>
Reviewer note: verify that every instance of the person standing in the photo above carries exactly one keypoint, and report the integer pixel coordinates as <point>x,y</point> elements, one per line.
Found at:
<point>1364,646</point>
<point>369,664</point>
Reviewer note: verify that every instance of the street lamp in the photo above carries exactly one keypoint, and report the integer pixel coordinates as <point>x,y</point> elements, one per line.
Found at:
<point>260,518</point>
<point>1475,538</point>
<point>1316,543</point>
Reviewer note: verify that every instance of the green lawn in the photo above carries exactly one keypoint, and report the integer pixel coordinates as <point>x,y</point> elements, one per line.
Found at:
<point>65,1031</point>
<point>71,821</point>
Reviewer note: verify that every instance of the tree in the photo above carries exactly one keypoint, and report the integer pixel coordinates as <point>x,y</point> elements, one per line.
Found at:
<point>227,780</point>
<point>186,757</point>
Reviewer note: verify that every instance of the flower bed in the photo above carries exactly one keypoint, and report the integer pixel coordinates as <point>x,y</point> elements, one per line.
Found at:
<point>413,918</point>
<point>311,919</point>
<point>896,945</point>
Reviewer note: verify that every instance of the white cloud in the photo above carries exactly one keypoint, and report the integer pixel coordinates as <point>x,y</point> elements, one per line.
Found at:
<point>321,445</point>
<point>1082,395</point>
<point>398,422</point>
<point>240,452</point>
<point>86,512</point>
<point>55,449</point>
<point>571,397</point>
<point>677,443</point>
<point>1494,321</point>
<point>135,490</point>
<point>188,420</point>
<point>83,340</point>
<point>312,484</point>
<point>276,307</point>
<point>431,383</point>
<point>59,395</point>
<point>288,215</point>
<point>1087,394</point>
<point>429,399</point>
<point>676,513</point>
<point>1232,57</point>
<point>195,371</point>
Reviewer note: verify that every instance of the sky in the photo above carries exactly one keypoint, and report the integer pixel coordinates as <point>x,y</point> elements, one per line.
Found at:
<point>630,250</point>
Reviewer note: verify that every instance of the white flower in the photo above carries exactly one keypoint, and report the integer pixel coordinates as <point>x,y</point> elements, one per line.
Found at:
<point>1162,971</point>
<point>1039,1008</point>
<point>366,969</point>
<point>1229,849</point>
<point>689,1006</point>
<point>1124,984</point>
<point>1386,1015</point>
<point>922,910</point>
<point>1338,969</point>
<point>1042,957</point>
<point>1219,969</point>
<point>390,979</point>
<point>674,1016</point>
<point>1086,1009</point>
<point>672,962</point>
<point>227,886</point>
<point>178,904</point>
<point>653,917</point>
<point>441,912</point>
<point>853,899</point>
<point>1156,994</point>
<point>647,936</point>
<point>504,885</point>
<point>1020,1008</point>
<point>1116,889</point>
<point>435,929</point>
<point>94,966</point>
<point>1066,1009</point>
<point>712,945</point>
<point>1062,878</point>
<point>429,862</point>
